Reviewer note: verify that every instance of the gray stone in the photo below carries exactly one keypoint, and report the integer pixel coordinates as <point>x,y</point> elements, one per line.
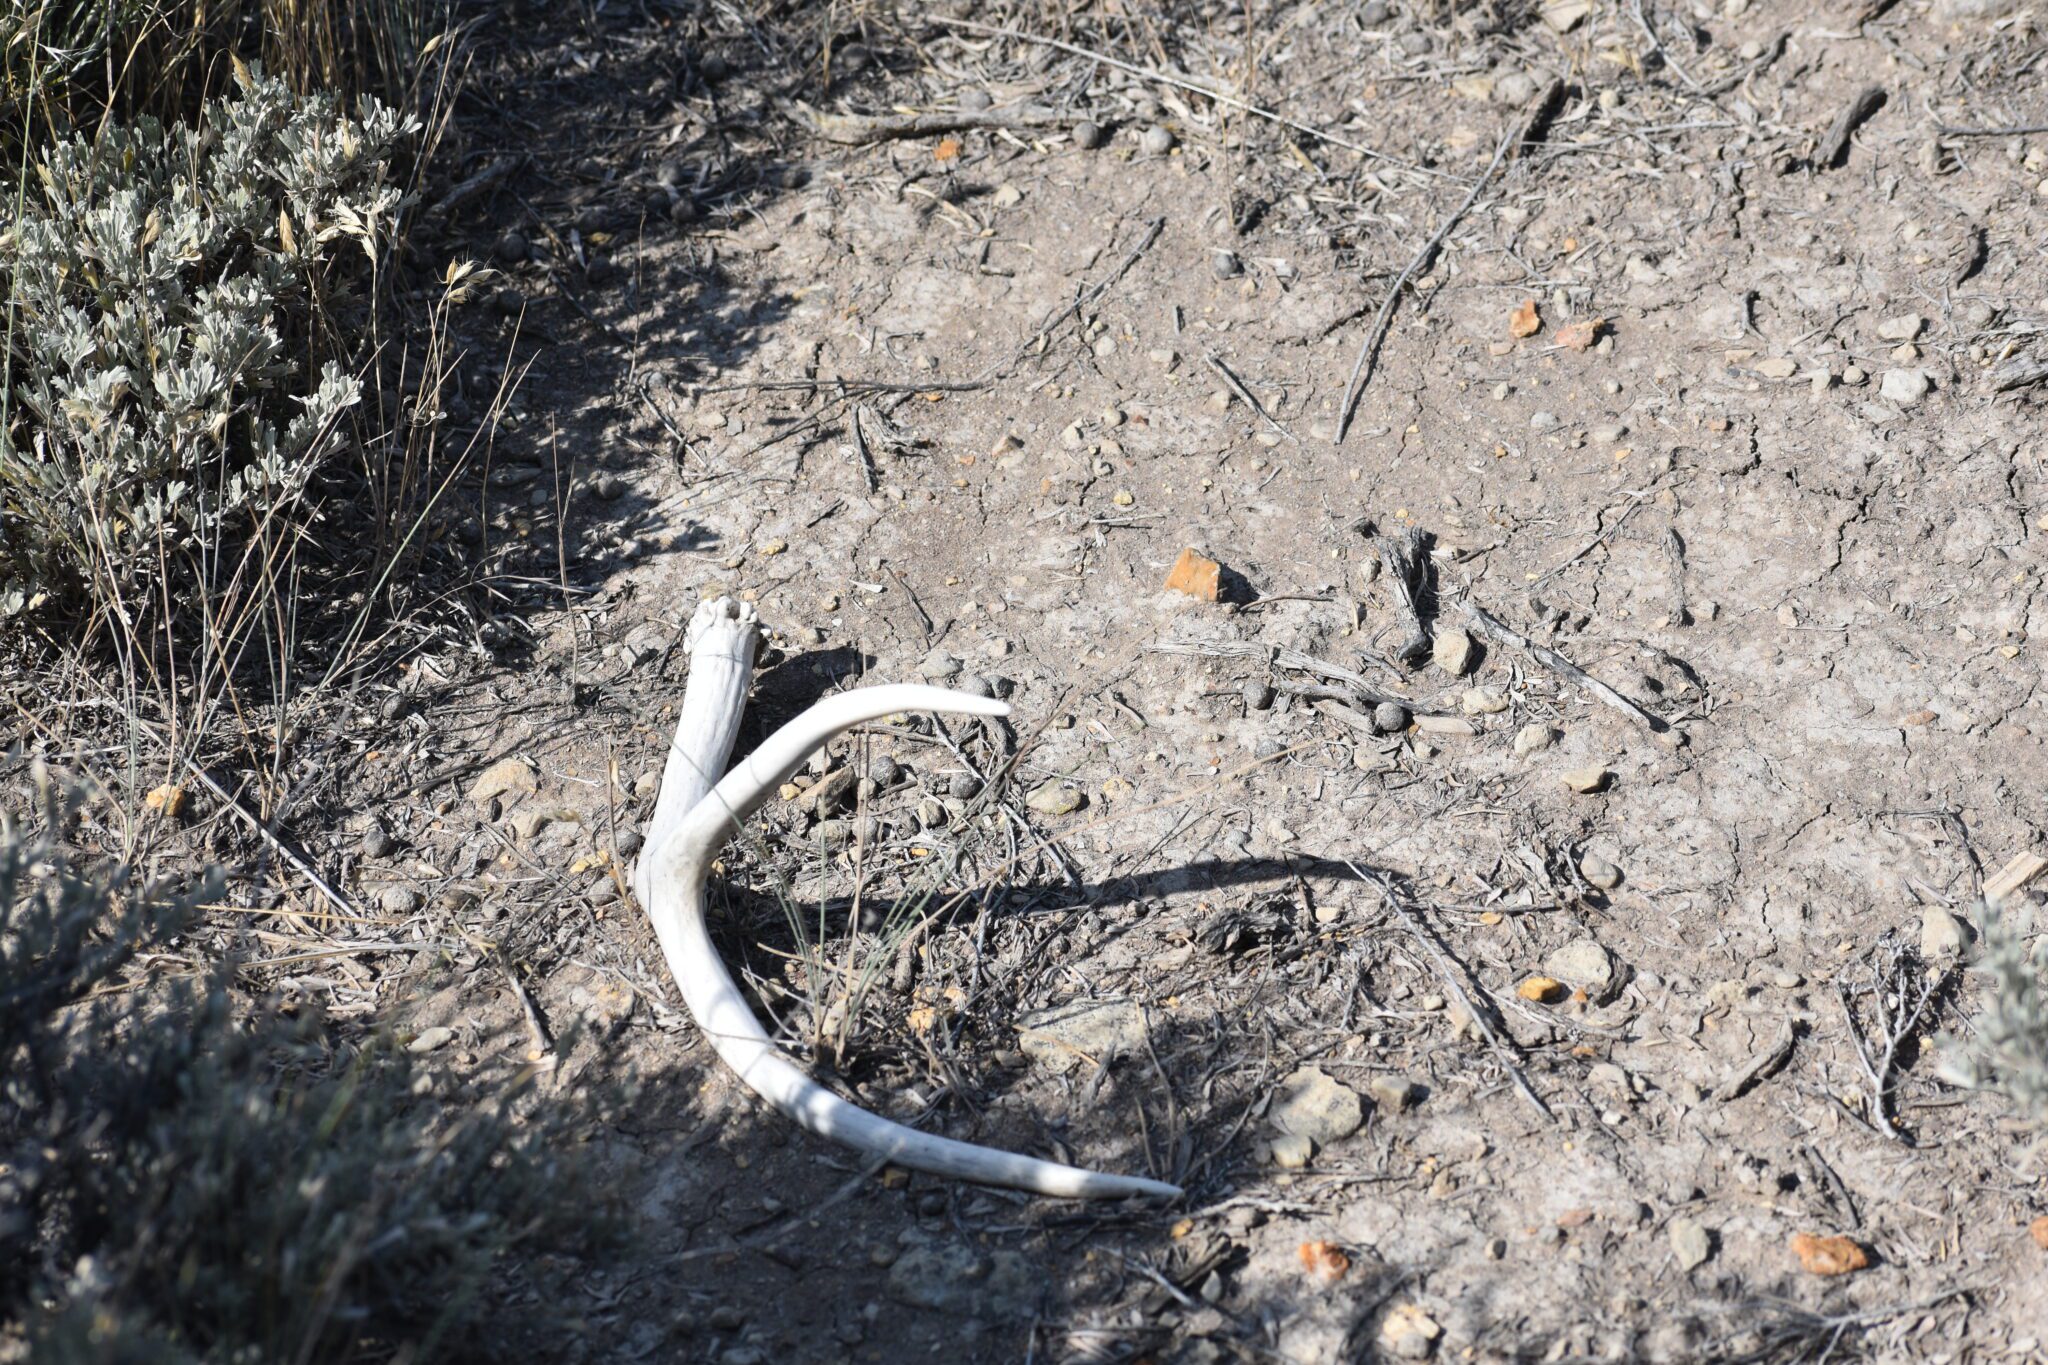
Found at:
<point>939,666</point>
<point>1313,1105</point>
<point>882,770</point>
<point>1482,701</point>
<point>1533,739</point>
<point>1291,1151</point>
<point>1943,935</point>
<point>1905,387</point>
<point>1690,1243</point>
<point>1055,798</point>
<point>950,1277</point>
<point>1258,696</point>
<point>399,902</point>
<point>377,841</point>
<point>1395,1093</point>
<point>1081,1032</point>
<point>427,1040</point>
<point>1599,872</point>
<point>1390,718</point>
<point>507,777</point>
<point>1453,650</point>
<point>1904,327</point>
<point>1087,135</point>
<point>1584,965</point>
<point>1155,141</point>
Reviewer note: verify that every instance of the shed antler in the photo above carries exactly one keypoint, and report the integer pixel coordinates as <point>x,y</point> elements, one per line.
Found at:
<point>688,828</point>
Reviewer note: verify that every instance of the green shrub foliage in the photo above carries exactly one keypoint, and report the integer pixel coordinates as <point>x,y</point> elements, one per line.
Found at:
<point>177,370</point>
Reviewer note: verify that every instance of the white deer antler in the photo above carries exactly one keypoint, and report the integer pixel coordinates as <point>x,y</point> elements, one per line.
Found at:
<point>688,828</point>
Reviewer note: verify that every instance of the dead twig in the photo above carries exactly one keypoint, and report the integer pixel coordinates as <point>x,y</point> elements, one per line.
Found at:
<point>1406,563</point>
<point>1492,629</point>
<point>1167,78</point>
<point>1834,146</point>
<point>855,129</point>
<point>1455,986</point>
<point>1250,399</point>
<point>1369,352</point>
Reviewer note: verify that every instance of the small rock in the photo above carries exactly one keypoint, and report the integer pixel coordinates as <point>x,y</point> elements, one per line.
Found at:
<point>1690,1243</point>
<point>1453,650</point>
<point>963,786</point>
<point>1904,327</point>
<point>606,487</point>
<point>1195,575</point>
<point>1541,990</point>
<point>377,841</point>
<point>683,210</point>
<point>1943,935</point>
<point>1531,739</point>
<point>1395,1094</point>
<point>1543,421</point>
<point>1087,135</point>
<point>882,770</point>
<point>168,800</point>
<point>725,1318</point>
<point>1390,718</point>
<point>1600,873</point>
<point>1584,965</point>
<point>1155,141</point>
<point>1313,1105</point>
<point>1055,798</point>
<point>1224,263</point>
<point>507,777</point>
<point>1777,367</point>
<point>1007,197</point>
<point>511,247</point>
<point>1258,696</point>
<point>399,902</point>
<point>831,791</point>
<point>528,823</point>
<point>628,842</point>
<point>1586,781</point>
<point>1829,1256</point>
<point>974,101</point>
<point>1853,375</point>
<point>939,666</point>
<point>1407,1332</point>
<point>1482,701</point>
<point>1905,387</point>
<point>1291,1151</point>
<point>427,1040</point>
<point>1081,1031</point>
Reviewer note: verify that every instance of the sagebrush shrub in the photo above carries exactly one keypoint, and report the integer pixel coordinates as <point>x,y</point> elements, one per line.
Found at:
<point>176,369</point>
<point>185,1178</point>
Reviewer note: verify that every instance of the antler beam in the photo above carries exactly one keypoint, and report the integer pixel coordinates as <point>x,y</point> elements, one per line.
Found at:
<point>685,834</point>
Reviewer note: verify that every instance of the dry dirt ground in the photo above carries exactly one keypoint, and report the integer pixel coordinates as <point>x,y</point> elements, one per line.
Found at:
<point>948,406</point>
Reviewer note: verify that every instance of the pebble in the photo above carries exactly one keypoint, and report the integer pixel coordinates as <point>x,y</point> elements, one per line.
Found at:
<point>428,1040</point>
<point>607,486</point>
<point>399,902</point>
<point>1291,1151</point>
<point>1599,872</point>
<point>1408,1333</point>
<point>1395,1093</point>
<point>1258,696</point>
<point>1903,327</point>
<point>1853,375</point>
<point>1224,264</point>
<point>1943,935</point>
<point>628,842</point>
<point>963,786</point>
<point>1311,1104</point>
<point>1533,739</point>
<point>1055,798</point>
<point>939,666</point>
<point>1453,650</point>
<point>1542,990</point>
<point>511,247</point>
<point>1828,1256</point>
<point>726,1318</point>
<point>1586,781</point>
<point>1007,197</point>
<point>683,210</point>
<point>377,841</point>
<point>1543,421</point>
<point>1081,1032</point>
<point>1585,965</point>
<point>1691,1243</point>
<point>506,777</point>
<point>1087,135</point>
<point>1905,387</point>
<point>1390,718</point>
<point>1155,141</point>
<point>1482,701</point>
<point>974,101</point>
<point>882,770</point>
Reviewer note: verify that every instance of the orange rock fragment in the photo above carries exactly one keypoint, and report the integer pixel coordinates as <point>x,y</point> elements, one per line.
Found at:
<point>1543,990</point>
<point>1828,1255</point>
<point>1195,576</point>
<point>167,800</point>
<point>1325,1262</point>
<point>1578,336</point>
<point>948,148</point>
<point>2039,1229</point>
<point>1525,321</point>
